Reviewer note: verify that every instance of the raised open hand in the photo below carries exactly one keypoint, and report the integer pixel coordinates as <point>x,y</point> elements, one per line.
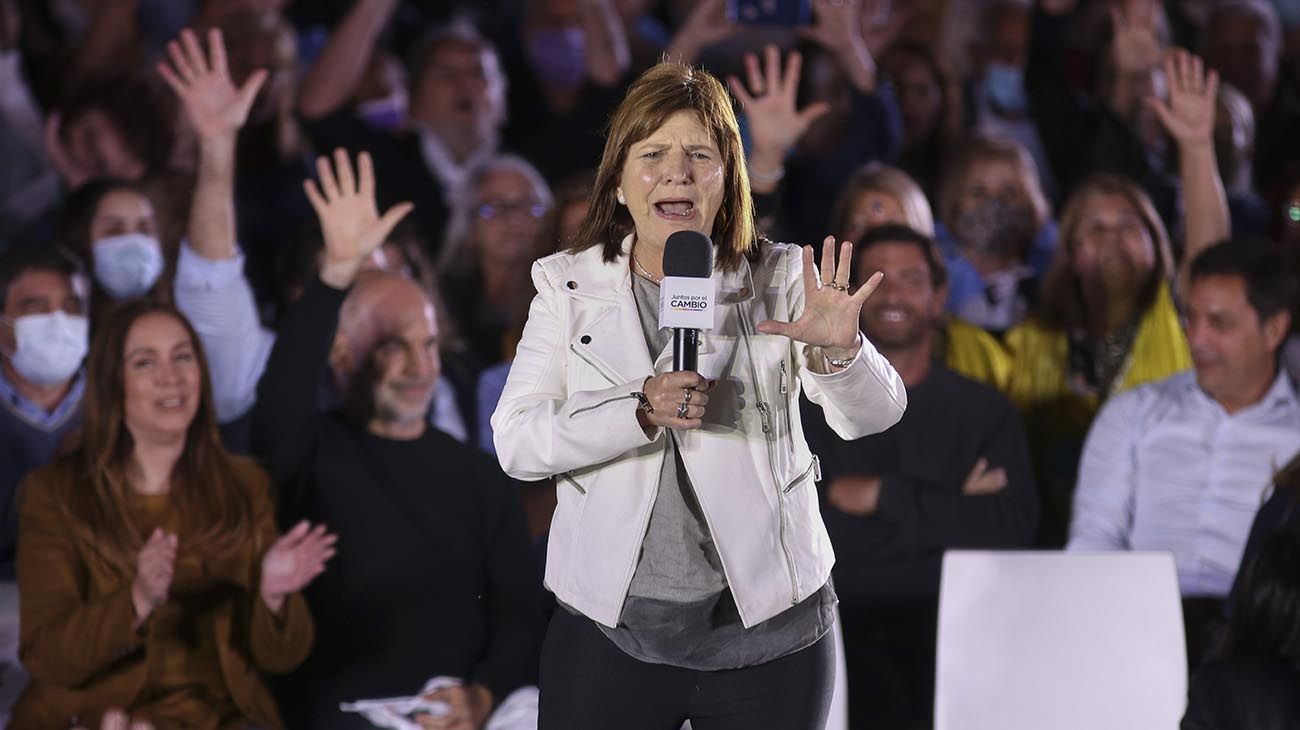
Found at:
<point>74,171</point>
<point>706,25</point>
<point>349,220</point>
<point>1188,116</point>
<point>830,315</point>
<point>775,122</point>
<point>882,21</point>
<point>1136,44</point>
<point>294,561</point>
<point>214,105</point>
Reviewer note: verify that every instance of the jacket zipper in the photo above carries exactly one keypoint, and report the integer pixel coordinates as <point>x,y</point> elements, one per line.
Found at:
<point>765,415</point>
<point>812,465</point>
<point>605,402</point>
<point>597,368</point>
<point>785,390</point>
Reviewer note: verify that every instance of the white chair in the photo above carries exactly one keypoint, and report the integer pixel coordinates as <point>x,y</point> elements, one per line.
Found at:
<point>1055,641</point>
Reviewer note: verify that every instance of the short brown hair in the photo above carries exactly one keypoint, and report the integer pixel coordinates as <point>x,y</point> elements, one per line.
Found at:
<point>1062,297</point>
<point>659,93</point>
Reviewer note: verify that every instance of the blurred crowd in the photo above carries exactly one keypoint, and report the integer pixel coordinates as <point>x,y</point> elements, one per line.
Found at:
<point>1087,213</point>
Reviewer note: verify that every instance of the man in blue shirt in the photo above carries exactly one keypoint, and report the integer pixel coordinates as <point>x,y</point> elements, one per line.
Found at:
<point>43,340</point>
<point>1184,463</point>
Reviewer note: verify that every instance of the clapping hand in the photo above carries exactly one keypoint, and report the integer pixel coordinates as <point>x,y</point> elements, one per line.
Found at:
<point>214,105</point>
<point>155,567</point>
<point>830,316</point>
<point>349,220</point>
<point>294,561</point>
<point>1188,115</point>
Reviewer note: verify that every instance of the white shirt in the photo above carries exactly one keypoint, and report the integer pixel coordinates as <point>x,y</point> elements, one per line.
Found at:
<point>442,163</point>
<point>1165,467</point>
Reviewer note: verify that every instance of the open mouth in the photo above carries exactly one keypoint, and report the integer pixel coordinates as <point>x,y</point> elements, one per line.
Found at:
<point>176,403</point>
<point>675,209</point>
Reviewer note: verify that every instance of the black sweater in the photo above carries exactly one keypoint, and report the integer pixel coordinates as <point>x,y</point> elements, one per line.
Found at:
<point>434,574</point>
<point>894,555</point>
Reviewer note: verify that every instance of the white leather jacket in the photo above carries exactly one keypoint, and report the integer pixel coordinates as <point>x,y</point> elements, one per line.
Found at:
<point>567,411</point>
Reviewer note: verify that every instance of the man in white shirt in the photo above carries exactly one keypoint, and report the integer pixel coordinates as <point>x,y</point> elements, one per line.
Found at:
<point>1183,464</point>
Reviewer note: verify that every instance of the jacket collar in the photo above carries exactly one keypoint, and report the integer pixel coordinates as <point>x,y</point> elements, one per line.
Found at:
<point>612,342</point>
<point>592,276</point>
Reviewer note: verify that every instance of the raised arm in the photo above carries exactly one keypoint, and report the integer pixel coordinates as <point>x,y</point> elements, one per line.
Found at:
<point>285,415</point>
<point>706,25</point>
<point>1188,116</point>
<point>210,285</point>
<point>837,27</point>
<point>608,57</point>
<point>775,122</point>
<point>216,109</point>
<point>334,76</point>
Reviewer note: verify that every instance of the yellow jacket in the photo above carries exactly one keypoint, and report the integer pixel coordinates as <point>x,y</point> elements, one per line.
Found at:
<point>976,354</point>
<point>1040,373</point>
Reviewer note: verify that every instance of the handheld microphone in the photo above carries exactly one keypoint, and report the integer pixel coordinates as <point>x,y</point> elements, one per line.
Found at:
<point>686,294</point>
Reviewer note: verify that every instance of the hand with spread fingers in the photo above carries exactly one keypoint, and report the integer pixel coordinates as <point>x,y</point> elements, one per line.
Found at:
<point>771,107</point>
<point>349,219</point>
<point>831,306</point>
<point>294,561</point>
<point>1188,115</point>
<point>215,106</point>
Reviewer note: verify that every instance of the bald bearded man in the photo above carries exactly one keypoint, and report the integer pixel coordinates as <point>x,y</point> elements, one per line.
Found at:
<point>434,575</point>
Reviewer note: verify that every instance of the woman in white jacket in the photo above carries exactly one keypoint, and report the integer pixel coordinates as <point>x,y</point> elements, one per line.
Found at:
<point>687,550</point>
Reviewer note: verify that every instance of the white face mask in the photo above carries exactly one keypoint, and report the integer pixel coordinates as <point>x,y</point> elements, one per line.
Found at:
<point>127,265</point>
<point>50,346</point>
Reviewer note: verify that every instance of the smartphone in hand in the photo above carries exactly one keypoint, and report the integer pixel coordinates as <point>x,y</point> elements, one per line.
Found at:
<point>783,13</point>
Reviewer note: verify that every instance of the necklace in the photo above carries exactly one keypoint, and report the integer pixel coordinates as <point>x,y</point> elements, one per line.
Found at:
<point>642,270</point>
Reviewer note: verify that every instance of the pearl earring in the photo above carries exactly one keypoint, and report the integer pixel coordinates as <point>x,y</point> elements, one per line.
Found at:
<point>621,199</point>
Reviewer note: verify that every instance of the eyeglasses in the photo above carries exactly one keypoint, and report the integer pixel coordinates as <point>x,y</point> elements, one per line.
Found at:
<point>503,209</point>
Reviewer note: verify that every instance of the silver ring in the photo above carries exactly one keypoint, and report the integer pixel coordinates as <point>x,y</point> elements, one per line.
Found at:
<point>681,411</point>
<point>688,396</point>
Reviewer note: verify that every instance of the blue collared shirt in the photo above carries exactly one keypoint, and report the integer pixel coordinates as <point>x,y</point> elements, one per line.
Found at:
<point>35,415</point>
<point>1165,467</point>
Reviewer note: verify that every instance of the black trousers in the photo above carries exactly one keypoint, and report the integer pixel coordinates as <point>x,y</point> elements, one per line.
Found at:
<point>588,683</point>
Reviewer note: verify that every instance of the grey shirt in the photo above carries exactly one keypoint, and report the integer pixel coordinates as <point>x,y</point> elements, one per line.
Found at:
<point>679,610</point>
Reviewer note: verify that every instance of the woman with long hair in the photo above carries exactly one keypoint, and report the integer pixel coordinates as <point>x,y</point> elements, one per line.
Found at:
<point>150,570</point>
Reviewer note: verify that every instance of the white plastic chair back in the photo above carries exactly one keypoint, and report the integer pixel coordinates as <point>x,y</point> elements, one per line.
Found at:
<point>1078,641</point>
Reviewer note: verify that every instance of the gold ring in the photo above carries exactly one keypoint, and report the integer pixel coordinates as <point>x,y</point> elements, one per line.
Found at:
<point>688,396</point>
<point>839,287</point>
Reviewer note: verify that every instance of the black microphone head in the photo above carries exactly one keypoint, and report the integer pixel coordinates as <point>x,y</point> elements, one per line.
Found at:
<point>688,253</point>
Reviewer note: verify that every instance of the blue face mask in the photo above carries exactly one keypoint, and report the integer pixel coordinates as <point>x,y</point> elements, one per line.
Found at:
<point>128,265</point>
<point>1005,87</point>
<point>559,57</point>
